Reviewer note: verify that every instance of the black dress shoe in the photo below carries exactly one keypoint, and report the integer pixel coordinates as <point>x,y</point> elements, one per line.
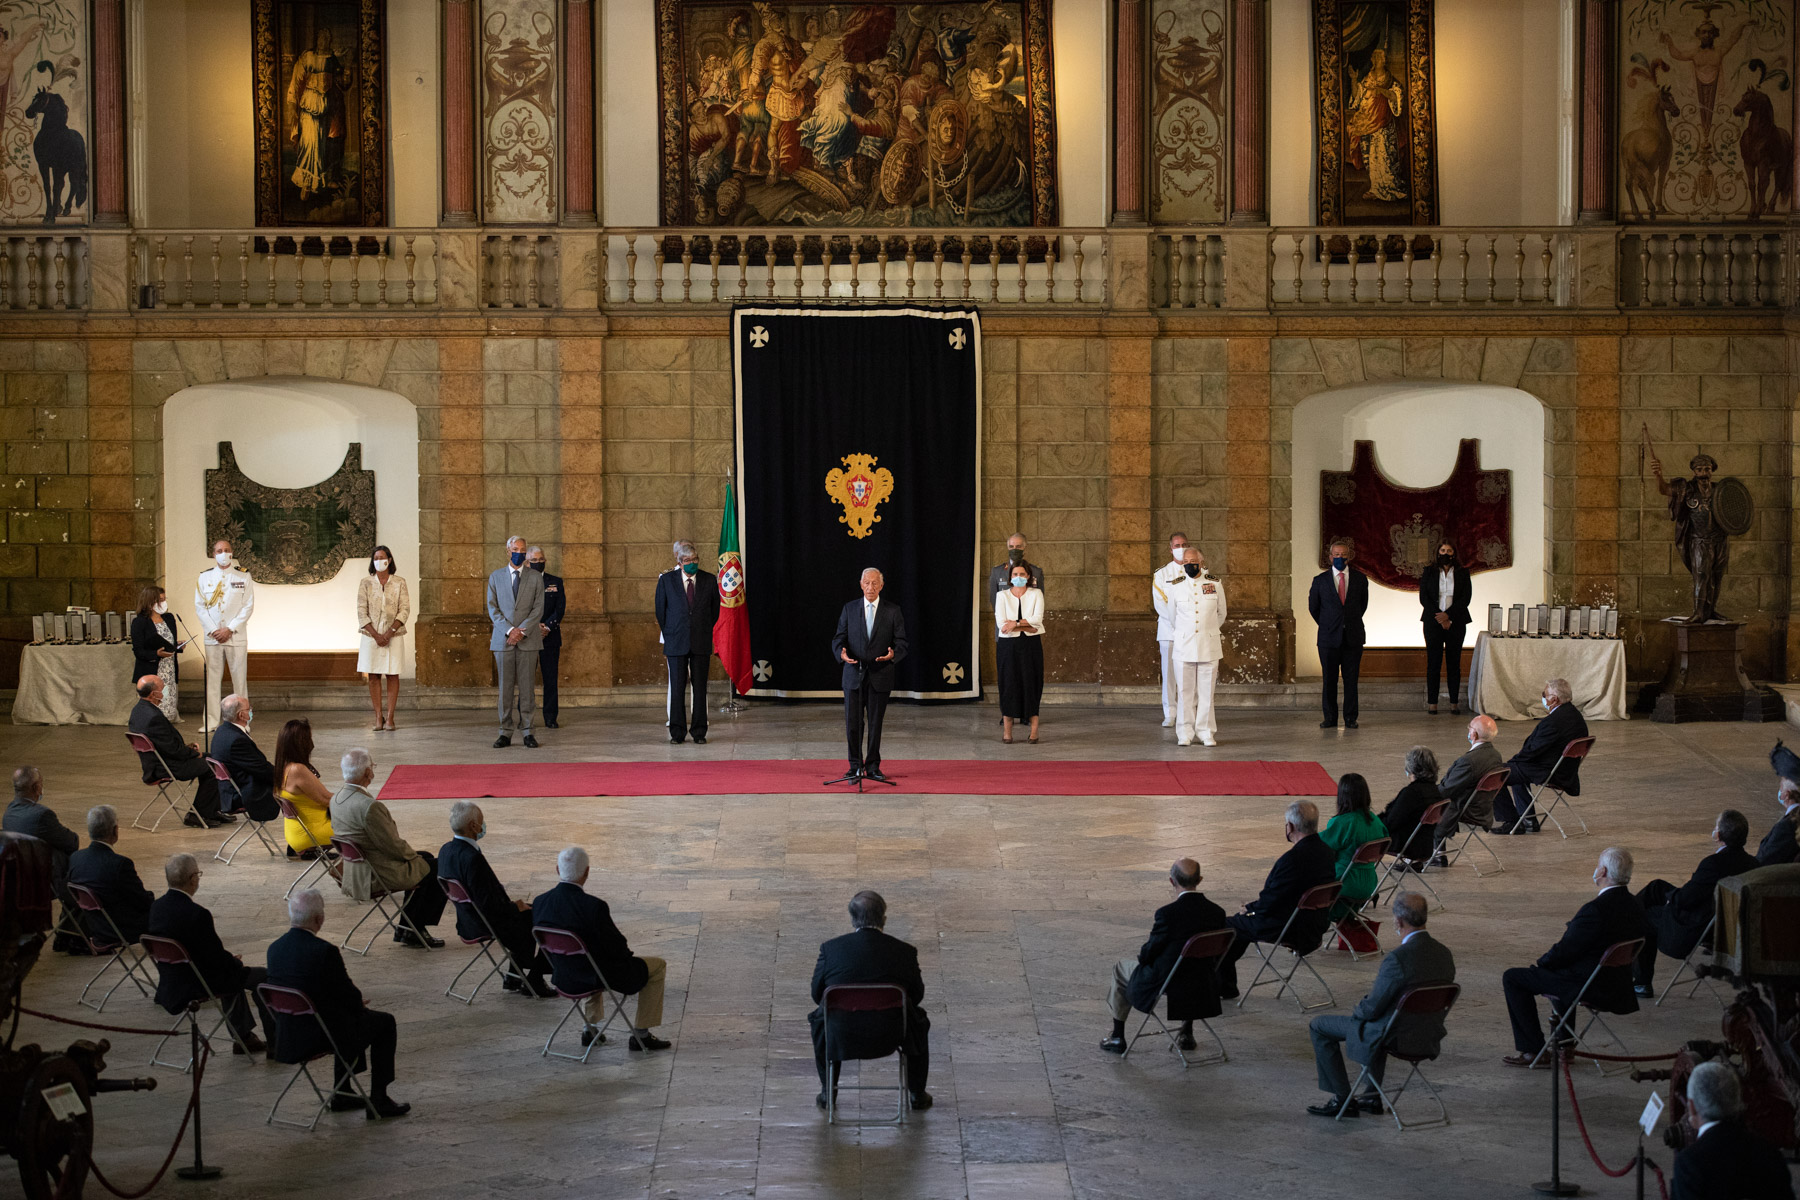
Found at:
<point>251,1044</point>
<point>1113,1045</point>
<point>1186,1040</point>
<point>591,1034</point>
<point>407,937</point>
<point>1349,724</point>
<point>676,741</point>
<point>1327,724</point>
<point>550,725</point>
<point>511,983</point>
<point>381,1108</point>
<point>646,1041</point>
<point>1331,1107</point>
<point>193,821</point>
<point>820,1101</point>
<point>502,742</point>
<point>699,739</point>
<point>1440,861</point>
<point>1370,1105</point>
<point>530,742</point>
<point>919,1101</point>
<point>215,822</point>
<point>1644,990</point>
<point>874,773</point>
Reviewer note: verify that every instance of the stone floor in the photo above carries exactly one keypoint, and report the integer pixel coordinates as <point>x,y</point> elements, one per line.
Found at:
<point>1018,905</point>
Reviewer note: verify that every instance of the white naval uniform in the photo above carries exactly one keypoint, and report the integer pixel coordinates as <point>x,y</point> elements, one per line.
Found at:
<point>1161,599</point>
<point>1198,614</point>
<point>223,598</point>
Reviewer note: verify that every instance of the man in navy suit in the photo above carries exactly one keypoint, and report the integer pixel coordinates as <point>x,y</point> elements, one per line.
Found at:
<point>249,767</point>
<point>1339,598</point>
<point>567,906</point>
<point>871,638</point>
<point>461,860</point>
<point>687,605</point>
<point>550,624</point>
<point>870,955</point>
<point>1678,916</point>
<point>1307,863</point>
<point>112,878</point>
<point>1137,982</point>
<point>1562,723</point>
<point>176,914</point>
<point>1726,1161</point>
<point>1779,845</point>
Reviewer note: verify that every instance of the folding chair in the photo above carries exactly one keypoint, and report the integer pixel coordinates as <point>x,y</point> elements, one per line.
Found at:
<point>484,945</point>
<point>247,828</point>
<point>1397,864</point>
<point>1489,787</point>
<point>380,899</point>
<point>862,998</point>
<point>1199,948</point>
<point>1312,900</point>
<point>120,951</point>
<point>1367,854</point>
<point>323,856</point>
<point>1574,752</point>
<point>1420,1001</point>
<point>292,1002</point>
<point>170,953</point>
<point>1620,954</point>
<point>1690,967</point>
<point>561,943</point>
<point>162,784</point>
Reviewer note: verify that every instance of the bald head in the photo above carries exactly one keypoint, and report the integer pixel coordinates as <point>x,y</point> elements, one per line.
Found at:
<point>149,685</point>
<point>1184,873</point>
<point>28,781</point>
<point>1483,728</point>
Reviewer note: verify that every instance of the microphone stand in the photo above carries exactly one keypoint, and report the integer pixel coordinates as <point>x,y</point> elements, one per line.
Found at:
<point>856,774</point>
<point>205,728</point>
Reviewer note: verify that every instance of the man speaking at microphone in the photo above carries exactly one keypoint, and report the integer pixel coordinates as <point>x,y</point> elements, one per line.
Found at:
<point>871,638</point>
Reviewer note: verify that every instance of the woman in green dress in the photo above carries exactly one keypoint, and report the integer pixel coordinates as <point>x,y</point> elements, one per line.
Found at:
<point>1353,826</point>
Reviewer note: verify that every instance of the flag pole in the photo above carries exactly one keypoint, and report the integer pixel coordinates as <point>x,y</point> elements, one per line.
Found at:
<point>732,705</point>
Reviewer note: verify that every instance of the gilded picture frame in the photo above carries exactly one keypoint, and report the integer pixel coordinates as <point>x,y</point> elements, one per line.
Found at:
<point>1376,165</point>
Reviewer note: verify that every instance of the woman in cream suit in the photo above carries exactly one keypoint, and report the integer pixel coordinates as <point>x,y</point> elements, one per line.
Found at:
<point>1019,624</point>
<point>382,607</point>
<point>1199,604</point>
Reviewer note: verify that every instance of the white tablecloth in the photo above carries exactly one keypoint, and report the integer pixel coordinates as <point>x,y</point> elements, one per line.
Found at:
<point>75,685</point>
<point>1506,676</point>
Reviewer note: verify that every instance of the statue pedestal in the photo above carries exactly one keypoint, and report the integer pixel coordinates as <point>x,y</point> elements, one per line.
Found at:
<point>1706,682</point>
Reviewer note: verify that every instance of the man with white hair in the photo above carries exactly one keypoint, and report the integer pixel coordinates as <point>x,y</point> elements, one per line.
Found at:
<point>870,639</point>
<point>29,815</point>
<point>112,878</point>
<point>515,605</point>
<point>177,915</point>
<point>1306,864</point>
<point>303,960</point>
<point>568,907</point>
<point>460,859</point>
<point>1460,782</point>
<point>1611,917</point>
<point>1725,1161</point>
<point>1561,724</point>
<point>250,769</point>
<point>1779,844</point>
<point>687,607</point>
<point>357,816</point>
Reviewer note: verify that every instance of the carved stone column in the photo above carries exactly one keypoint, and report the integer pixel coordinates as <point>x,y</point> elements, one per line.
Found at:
<point>459,112</point>
<point>1249,112</point>
<point>109,113</point>
<point>1598,89</point>
<point>578,114</point>
<point>1128,113</point>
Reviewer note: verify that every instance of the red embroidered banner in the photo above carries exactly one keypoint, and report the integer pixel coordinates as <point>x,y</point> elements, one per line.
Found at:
<point>1396,529</point>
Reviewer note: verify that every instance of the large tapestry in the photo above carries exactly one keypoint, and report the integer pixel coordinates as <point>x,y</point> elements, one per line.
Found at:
<point>1396,529</point>
<point>518,111</point>
<point>1187,112</point>
<point>292,535</point>
<point>321,112</point>
<point>1706,110</point>
<point>933,114</point>
<point>44,85</point>
<point>1377,113</point>
<point>859,445</point>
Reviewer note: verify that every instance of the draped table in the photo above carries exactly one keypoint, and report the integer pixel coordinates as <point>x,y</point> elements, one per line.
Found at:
<point>1507,674</point>
<point>76,684</point>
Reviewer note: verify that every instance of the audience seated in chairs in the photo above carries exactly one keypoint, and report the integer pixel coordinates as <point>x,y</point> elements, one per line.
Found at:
<point>1418,959</point>
<point>302,960</point>
<point>869,955</point>
<point>567,907</point>
<point>1460,783</point>
<point>1779,845</point>
<point>1726,1161</point>
<point>1561,724</point>
<point>1307,863</point>
<point>184,758</point>
<point>29,815</point>
<point>1353,826</point>
<point>1611,917</point>
<point>248,767</point>
<point>297,780</point>
<point>1678,916</point>
<point>461,860</point>
<point>357,816</point>
<point>176,915</point>
<point>1137,982</point>
<point>112,878</point>
<point>1401,816</point>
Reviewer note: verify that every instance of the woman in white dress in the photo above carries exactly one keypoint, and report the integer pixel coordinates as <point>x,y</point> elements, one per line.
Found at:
<point>382,607</point>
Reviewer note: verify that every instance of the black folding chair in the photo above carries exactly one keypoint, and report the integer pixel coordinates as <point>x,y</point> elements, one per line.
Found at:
<point>1690,966</point>
<point>170,953</point>
<point>1406,859</point>
<point>862,998</point>
<point>1420,1001</point>
<point>117,949</point>
<point>1488,787</point>
<point>245,829</point>
<point>562,943</point>
<point>1312,900</point>
<point>292,1002</point>
<point>162,783</point>
<point>1198,950</point>
<point>382,900</point>
<point>1367,854</point>
<point>1620,954</point>
<point>322,856</point>
<point>484,945</point>
<point>1574,752</point>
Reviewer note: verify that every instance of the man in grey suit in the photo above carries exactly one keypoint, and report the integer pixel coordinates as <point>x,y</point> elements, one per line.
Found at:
<point>1418,959</point>
<point>515,604</point>
<point>1458,786</point>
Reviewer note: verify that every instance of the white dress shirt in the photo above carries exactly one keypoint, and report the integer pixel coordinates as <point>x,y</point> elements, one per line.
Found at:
<point>1446,588</point>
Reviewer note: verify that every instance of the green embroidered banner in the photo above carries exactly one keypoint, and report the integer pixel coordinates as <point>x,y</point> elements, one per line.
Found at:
<point>292,535</point>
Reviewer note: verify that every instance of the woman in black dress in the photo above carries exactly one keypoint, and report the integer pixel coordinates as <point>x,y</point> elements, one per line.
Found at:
<point>1402,814</point>
<point>1019,651</point>
<point>154,645</point>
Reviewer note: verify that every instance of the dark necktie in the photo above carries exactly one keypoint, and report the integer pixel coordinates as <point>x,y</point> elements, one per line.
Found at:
<point>1342,585</point>
<point>690,592</point>
<point>515,585</point>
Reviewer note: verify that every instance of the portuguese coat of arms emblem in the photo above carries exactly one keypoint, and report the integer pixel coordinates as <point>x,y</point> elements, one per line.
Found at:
<point>860,488</point>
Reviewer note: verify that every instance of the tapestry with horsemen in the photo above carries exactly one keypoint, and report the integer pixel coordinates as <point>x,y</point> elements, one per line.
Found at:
<point>43,112</point>
<point>932,114</point>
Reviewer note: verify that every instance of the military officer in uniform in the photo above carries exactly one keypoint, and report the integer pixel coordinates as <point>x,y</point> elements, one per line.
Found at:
<point>1162,599</point>
<point>550,624</point>
<point>223,598</point>
<point>1198,615</point>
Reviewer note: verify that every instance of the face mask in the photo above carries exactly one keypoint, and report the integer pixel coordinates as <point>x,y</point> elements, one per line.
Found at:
<point>1446,560</point>
<point>1176,554</point>
<point>249,717</point>
<point>162,606</point>
<point>1193,570</point>
<point>1021,580</point>
<point>538,566</point>
<point>1340,563</point>
<point>1015,556</point>
<point>690,568</point>
<point>518,558</point>
<point>381,564</point>
<point>481,833</point>
<point>1546,703</point>
<point>224,560</point>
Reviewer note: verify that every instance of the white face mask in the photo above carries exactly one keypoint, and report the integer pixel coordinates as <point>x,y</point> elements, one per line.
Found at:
<point>162,606</point>
<point>381,564</point>
<point>1176,554</point>
<point>1546,703</point>
<point>224,560</point>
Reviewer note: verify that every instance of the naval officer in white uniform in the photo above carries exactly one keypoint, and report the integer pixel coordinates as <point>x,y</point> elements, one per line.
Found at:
<point>1198,615</point>
<point>1162,599</point>
<point>223,598</point>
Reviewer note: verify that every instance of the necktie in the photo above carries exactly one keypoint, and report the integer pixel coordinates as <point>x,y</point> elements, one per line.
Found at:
<point>869,619</point>
<point>515,585</point>
<point>690,592</point>
<point>1342,585</point>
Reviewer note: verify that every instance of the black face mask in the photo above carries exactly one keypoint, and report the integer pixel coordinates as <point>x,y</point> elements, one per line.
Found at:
<point>1193,570</point>
<point>1014,556</point>
<point>538,566</point>
<point>1446,560</point>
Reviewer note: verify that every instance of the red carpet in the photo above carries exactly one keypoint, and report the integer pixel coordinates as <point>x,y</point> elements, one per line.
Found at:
<point>932,776</point>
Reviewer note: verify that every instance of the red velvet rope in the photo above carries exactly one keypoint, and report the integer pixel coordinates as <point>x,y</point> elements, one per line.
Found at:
<point>1575,1106</point>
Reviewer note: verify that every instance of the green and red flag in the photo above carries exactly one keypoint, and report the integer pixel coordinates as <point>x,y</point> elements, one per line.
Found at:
<point>731,632</point>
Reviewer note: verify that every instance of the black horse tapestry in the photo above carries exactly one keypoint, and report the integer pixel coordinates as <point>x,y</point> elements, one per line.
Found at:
<point>44,112</point>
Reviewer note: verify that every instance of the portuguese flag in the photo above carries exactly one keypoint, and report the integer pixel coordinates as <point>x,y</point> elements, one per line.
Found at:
<point>731,632</point>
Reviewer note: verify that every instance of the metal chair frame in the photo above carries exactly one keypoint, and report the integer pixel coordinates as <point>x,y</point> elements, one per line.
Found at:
<point>1434,812</point>
<point>248,827</point>
<point>864,997</point>
<point>379,900</point>
<point>1440,997</point>
<point>546,936</point>
<point>459,896</point>
<point>184,810</point>
<point>133,963</point>
<point>150,942</point>
<point>1313,899</point>
<point>323,856</point>
<point>1569,754</point>
<point>1688,966</point>
<point>1364,856</point>
<point>1619,954</point>
<point>288,1001</point>
<point>1212,944</point>
<point>1474,833</point>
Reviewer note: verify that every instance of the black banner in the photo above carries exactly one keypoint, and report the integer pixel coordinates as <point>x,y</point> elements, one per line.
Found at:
<point>859,445</point>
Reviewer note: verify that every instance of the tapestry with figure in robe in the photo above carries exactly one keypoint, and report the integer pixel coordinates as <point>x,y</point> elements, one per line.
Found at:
<point>1377,116</point>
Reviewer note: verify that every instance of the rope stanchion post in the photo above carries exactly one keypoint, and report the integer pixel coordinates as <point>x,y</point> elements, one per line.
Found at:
<point>200,1169</point>
<point>1555,1185</point>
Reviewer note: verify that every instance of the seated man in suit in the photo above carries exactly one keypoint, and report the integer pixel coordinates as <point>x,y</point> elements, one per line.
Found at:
<point>1459,782</point>
<point>357,816</point>
<point>1418,959</point>
<point>184,758</point>
<point>112,878</point>
<point>1679,915</point>
<point>302,960</point>
<point>1307,863</point>
<point>868,955</point>
<point>1779,844</point>
<point>29,815</point>
<point>249,767</point>
<point>461,859</point>
<point>1137,981</point>
<point>1726,1161</point>
<point>566,906</point>
<point>1562,723</point>
<point>175,914</point>
<point>1611,917</point>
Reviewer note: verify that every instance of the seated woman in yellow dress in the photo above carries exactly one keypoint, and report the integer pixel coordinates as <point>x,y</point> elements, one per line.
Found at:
<point>297,782</point>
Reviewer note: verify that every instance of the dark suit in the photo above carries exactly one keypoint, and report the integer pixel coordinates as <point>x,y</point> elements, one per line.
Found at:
<point>556,603</point>
<point>1307,863</point>
<point>1420,959</point>
<point>567,906</point>
<point>464,862</point>
<point>249,768</point>
<point>1538,757</point>
<point>1194,992</point>
<point>303,960</point>
<point>145,642</point>
<point>867,682</point>
<point>1000,578</point>
<point>870,956</point>
<point>1444,646</point>
<point>1341,635</point>
<point>38,820</point>
<point>1679,915</point>
<point>1458,785</point>
<point>113,879</point>
<point>175,914</point>
<point>687,631</point>
<point>1731,1163</point>
<point>1612,917</point>
<point>184,761</point>
<point>1778,845</point>
<point>1402,814</point>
